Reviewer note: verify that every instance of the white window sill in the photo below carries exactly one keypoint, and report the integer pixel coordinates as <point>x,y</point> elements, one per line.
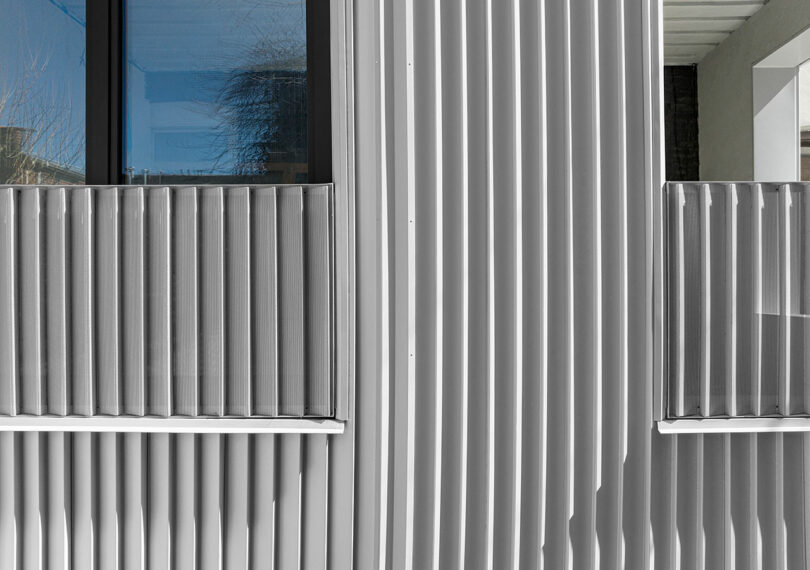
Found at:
<point>151,424</point>
<point>734,425</point>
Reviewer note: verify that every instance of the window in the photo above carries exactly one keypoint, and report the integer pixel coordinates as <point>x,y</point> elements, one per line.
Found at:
<point>210,91</point>
<point>42,92</point>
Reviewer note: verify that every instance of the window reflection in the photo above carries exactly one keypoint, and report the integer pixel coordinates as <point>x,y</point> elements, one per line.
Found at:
<point>216,90</point>
<point>42,92</point>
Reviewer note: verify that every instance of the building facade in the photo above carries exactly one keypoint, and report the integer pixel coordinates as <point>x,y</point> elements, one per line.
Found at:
<point>498,173</point>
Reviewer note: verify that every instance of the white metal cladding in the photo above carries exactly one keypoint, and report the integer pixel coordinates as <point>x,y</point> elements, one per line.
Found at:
<point>164,501</point>
<point>517,146</point>
<point>738,297</point>
<point>507,172</point>
<point>159,301</point>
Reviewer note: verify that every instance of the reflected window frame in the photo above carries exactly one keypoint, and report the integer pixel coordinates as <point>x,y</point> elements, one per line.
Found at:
<point>105,92</point>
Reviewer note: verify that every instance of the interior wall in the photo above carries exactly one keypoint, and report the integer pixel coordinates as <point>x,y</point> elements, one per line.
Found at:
<point>725,88</point>
<point>681,122</point>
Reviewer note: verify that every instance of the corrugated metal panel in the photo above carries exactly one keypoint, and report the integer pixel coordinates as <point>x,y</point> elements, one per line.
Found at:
<point>163,501</point>
<point>738,299</point>
<point>504,389</point>
<point>522,170</point>
<point>165,301</point>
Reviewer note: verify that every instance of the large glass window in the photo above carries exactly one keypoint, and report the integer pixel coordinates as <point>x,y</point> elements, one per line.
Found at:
<point>214,90</point>
<point>42,92</point>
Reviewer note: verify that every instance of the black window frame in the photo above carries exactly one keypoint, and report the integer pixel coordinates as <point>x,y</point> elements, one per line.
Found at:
<point>105,92</point>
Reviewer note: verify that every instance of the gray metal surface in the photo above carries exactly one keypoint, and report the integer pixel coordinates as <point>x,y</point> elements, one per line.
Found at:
<point>739,299</point>
<point>164,301</point>
<point>163,501</point>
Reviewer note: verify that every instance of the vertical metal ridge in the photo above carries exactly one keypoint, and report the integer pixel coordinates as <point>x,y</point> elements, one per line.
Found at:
<point>33,393</point>
<point>134,500</point>
<point>569,403</point>
<point>794,498</point>
<point>803,277</point>
<point>785,309</point>
<point>690,491</point>
<point>185,483</point>
<point>742,495</point>
<point>464,439</point>
<point>186,302</point>
<point>477,383</point>
<point>678,296</point>
<point>489,498</point>
<point>84,492</point>
<point>159,521</point>
<point>587,313</point>
<point>8,302</point>
<point>9,525</point>
<point>730,325</point>
<point>238,346</point>
<point>614,189</point>
<point>291,310</point>
<point>211,500</point>
<point>34,506</point>
<point>159,267</point>
<point>212,354</point>
<point>264,502</point>
<point>705,301</point>
<point>236,526</point>
<point>264,252</point>
<point>559,494</point>
<point>757,204</point>
<point>318,324</point>
<point>113,545</point>
<point>664,508</point>
<point>107,272</point>
<point>82,307</point>
<point>518,237</point>
<point>133,299</point>
<point>536,541</point>
<point>57,304</point>
<point>404,251</point>
<point>715,507</point>
<point>429,377</point>
<point>315,502</point>
<point>288,534</point>
<point>769,498</point>
<point>440,303</point>
<point>59,499</point>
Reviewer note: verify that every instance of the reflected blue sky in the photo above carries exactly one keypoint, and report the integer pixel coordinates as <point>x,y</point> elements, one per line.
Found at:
<point>42,76</point>
<point>209,85</point>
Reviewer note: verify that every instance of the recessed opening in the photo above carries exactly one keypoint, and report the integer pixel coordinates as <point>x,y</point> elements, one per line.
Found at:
<point>737,91</point>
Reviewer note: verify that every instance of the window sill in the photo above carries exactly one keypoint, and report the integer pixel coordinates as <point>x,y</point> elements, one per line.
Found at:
<point>152,424</point>
<point>734,425</point>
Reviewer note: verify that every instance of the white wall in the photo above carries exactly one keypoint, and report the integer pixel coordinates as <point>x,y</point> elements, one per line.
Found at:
<point>725,88</point>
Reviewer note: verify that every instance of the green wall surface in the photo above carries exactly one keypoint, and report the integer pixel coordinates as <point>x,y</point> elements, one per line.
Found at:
<point>725,88</point>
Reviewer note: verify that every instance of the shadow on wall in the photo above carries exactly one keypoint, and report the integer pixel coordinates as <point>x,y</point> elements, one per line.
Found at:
<point>681,122</point>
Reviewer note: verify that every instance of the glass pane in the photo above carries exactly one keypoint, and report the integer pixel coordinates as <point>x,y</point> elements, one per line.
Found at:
<point>42,92</point>
<point>216,90</point>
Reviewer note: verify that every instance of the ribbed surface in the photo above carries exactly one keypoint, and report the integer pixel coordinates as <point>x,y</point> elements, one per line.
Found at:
<point>522,166</point>
<point>739,299</point>
<point>507,174</point>
<point>164,301</point>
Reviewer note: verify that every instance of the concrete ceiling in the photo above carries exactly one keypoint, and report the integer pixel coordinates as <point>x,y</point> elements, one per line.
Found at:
<point>693,28</point>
